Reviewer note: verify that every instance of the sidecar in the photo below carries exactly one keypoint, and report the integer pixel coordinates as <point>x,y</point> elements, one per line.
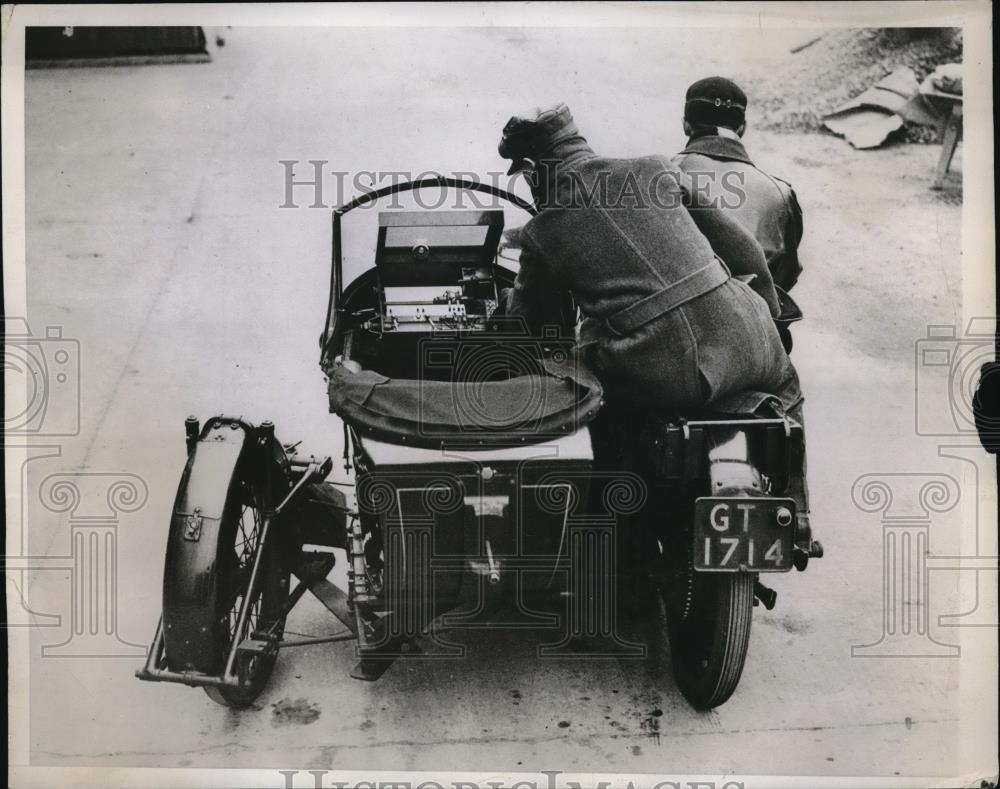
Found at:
<point>467,434</point>
<point>468,443</point>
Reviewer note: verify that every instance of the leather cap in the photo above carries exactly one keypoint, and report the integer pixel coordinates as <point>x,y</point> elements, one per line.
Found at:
<point>529,135</point>
<point>715,101</point>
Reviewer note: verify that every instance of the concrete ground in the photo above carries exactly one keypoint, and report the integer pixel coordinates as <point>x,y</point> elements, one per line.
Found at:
<point>154,238</point>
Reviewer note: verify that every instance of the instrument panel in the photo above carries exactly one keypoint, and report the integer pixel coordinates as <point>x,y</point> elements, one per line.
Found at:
<point>436,271</point>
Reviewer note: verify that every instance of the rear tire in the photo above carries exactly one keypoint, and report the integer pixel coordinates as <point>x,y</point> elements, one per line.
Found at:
<point>709,630</point>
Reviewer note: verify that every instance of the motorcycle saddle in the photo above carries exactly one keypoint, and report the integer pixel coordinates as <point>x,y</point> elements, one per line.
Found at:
<point>739,405</point>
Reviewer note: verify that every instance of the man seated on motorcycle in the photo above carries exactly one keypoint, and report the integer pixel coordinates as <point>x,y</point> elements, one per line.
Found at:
<point>719,165</point>
<point>667,324</point>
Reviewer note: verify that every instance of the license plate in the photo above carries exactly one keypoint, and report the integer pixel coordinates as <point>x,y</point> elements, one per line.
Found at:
<point>748,534</point>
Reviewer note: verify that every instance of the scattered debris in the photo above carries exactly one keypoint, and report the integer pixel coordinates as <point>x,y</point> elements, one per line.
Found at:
<point>867,120</point>
<point>825,73</point>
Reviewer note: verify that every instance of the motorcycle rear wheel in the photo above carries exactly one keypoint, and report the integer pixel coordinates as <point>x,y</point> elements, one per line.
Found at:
<point>709,631</point>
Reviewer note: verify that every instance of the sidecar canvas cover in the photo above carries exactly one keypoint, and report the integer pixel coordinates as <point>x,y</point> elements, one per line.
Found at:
<point>559,398</point>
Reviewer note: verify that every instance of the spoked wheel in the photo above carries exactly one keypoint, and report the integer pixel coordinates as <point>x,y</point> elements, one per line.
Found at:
<point>708,620</point>
<point>240,541</point>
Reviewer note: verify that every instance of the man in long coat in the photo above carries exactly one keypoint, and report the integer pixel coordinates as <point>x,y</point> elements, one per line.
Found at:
<point>667,324</point>
<point>677,298</point>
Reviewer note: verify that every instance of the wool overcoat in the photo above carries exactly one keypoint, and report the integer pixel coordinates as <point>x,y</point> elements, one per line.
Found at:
<point>763,204</point>
<point>666,322</point>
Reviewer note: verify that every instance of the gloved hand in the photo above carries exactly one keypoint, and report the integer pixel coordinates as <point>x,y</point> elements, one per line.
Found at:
<point>511,239</point>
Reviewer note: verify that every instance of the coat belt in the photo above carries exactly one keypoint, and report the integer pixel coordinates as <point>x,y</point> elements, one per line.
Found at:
<point>700,281</point>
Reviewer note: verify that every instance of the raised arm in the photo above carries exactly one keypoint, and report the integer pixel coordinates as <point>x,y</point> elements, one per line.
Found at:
<point>536,296</point>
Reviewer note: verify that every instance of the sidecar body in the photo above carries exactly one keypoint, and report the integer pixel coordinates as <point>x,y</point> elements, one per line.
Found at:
<point>468,435</point>
<point>467,440</point>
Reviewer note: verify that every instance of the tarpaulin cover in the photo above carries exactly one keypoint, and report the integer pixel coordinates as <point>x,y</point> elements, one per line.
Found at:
<point>864,127</point>
<point>867,120</point>
<point>523,409</point>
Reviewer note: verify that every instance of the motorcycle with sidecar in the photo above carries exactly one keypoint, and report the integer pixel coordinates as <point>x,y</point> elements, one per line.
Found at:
<point>468,450</point>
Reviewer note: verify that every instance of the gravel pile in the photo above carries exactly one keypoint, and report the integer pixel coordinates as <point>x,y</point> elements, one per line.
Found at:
<point>842,64</point>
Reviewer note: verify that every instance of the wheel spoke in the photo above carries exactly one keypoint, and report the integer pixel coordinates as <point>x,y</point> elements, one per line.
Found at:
<point>251,502</point>
<point>244,550</point>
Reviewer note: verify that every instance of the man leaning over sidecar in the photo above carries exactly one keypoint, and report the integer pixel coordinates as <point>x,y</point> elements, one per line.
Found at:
<point>667,324</point>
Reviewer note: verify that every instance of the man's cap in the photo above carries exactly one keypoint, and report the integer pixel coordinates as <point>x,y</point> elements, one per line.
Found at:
<point>715,101</point>
<point>530,135</point>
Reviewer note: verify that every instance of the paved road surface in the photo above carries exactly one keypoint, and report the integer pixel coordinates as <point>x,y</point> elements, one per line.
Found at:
<point>154,239</point>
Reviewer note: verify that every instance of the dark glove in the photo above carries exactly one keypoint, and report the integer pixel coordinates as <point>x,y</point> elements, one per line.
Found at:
<point>986,407</point>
